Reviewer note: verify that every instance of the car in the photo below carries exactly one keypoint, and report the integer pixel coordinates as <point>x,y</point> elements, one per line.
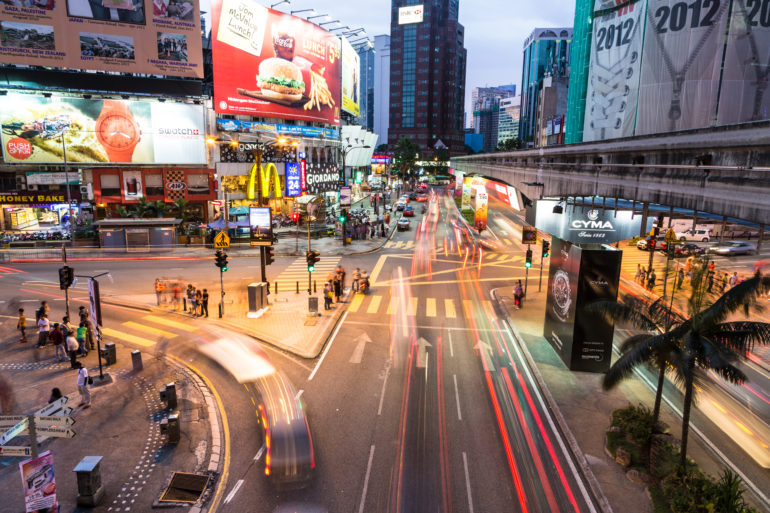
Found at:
<point>644,244</point>
<point>403,224</point>
<point>409,211</point>
<point>734,247</point>
<point>688,249</point>
<point>422,198</point>
<point>412,195</point>
<point>401,205</point>
<point>701,235</point>
<point>404,198</point>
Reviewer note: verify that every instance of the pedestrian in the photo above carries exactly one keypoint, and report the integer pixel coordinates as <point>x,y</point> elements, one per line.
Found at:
<point>518,294</point>
<point>177,296</point>
<point>57,339</point>
<point>679,278</point>
<point>159,288</point>
<point>327,296</point>
<point>198,301</point>
<point>712,266</point>
<point>205,303</point>
<point>72,349</point>
<point>43,327</point>
<point>341,273</point>
<point>356,278</point>
<point>733,281</point>
<point>710,281</point>
<point>651,280</point>
<point>81,333</point>
<point>42,310</point>
<point>190,296</point>
<point>55,395</point>
<point>639,272</point>
<point>89,330</point>
<point>337,288</point>
<point>82,382</point>
<point>21,325</point>
<point>723,283</point>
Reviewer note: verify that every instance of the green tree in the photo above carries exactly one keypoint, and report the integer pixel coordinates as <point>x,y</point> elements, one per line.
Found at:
<point>703,340</point>
<point>144,208</point>
<point>511,144</point>
<point>442,157</point>
<point>405,156</point>
<point>122,211</point>
<point>160,208</point>
<point>382,148</point>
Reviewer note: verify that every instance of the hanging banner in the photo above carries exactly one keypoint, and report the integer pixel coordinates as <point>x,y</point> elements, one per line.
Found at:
<point>681,64</point>
<point>39,483</point>
<point>744,93</point>
<point>466,197</point>
<point>613,80</point>
<point>480,220</point>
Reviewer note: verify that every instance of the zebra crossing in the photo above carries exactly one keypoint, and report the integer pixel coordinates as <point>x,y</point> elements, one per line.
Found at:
<point>377,304</point>
<point>297,270</point>
<point>153,326</point>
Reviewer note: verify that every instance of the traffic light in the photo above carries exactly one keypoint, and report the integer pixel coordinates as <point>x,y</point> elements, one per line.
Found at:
<point>295,217</point>
<point>66,277</point>
<point>269,256</point>
<point>656,226</point>
<point>343,216</point>
<point>221,260</point>
<point>546,248</point>
<point>312,259</point>
<point>652,243</point>
<point>528,261</point>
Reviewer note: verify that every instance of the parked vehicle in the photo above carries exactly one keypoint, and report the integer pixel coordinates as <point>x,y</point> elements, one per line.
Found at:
<point>734,247</point>
<point>400,206</point>
<point>403,224</point>
<point>699,234</point>
<point>409,211</point>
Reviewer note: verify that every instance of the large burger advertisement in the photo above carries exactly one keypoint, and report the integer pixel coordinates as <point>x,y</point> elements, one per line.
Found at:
<point>267,63</point>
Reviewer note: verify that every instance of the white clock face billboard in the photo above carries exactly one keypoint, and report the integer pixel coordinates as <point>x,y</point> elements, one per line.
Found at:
<point>410,14</point>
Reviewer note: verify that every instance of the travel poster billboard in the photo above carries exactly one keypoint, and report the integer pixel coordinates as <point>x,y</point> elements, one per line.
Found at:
<point>267,63</point>
<point>158,37</point>
<point>351,68</point>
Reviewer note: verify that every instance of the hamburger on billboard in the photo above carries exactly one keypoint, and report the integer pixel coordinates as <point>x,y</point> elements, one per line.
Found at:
<point>267,63</point>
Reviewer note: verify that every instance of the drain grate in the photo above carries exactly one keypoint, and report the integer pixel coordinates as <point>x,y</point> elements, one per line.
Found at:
<point>184,487</point>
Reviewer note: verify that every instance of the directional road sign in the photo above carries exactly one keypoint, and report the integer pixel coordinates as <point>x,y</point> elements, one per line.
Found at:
<point>15,431</point>
<point>9,421</point>
<point>54,421</point>
<point>15,450</point>
<point>56,432</point>
<point>52,408</point>
<point>222,240</point>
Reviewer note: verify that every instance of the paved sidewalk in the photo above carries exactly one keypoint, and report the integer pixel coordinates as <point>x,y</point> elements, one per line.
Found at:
<point>122,425</point>
<point>585,407</point>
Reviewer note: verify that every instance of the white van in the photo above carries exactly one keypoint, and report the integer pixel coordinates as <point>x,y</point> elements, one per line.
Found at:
<point>699,234</point>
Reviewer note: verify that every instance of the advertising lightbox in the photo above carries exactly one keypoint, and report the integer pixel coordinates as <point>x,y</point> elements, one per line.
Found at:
<point>351,67</point>
<point>293,180</point>
<point>267,63</point>
<point>410,14</point>
<point>100,131</point>
<point>261,226</point>
<point>160,37</point>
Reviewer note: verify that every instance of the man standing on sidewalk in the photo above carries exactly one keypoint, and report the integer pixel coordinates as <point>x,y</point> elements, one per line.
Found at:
<point>58,343</point>
<point>43,326</point>
<point>21,325</point>
<point>651,280</point>
<point>82,382</point>
<point>205,303</point>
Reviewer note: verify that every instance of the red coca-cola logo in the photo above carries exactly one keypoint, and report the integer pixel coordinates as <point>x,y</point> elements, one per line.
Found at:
<point>19,148</point>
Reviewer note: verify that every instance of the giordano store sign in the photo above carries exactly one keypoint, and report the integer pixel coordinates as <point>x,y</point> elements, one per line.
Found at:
<point>32,198</point>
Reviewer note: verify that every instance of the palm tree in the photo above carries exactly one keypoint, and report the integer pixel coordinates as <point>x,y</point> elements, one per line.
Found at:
<point>160,208</point>
<point>144,208</point>
<point>702,341</point>
<point>122,211</point>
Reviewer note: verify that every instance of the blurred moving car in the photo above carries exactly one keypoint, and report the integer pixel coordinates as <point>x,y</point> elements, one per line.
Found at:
<point>400,205</point>
<point>290,457</point>
<point>422,197</point>
<point>403,224</point>
<point>412,195</point>
<point>409,211</point>
<point>688,249</point>
<point>734,247</point>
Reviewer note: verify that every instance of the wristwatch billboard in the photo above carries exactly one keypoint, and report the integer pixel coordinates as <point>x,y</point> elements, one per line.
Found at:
<point>561,289</point>
<point>117,131</point>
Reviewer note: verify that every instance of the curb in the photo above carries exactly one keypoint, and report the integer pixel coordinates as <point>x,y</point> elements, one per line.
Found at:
<point>577,453</point>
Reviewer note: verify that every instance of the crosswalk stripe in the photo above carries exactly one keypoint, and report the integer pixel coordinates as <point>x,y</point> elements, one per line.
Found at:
<point>356,303</point>
<point>449,306</point>
<point>127,337</point>
<point>391,306</point>
<point>430,307</point>
<point>374,305</point>
<point>149,329</point>
<point>413,306</point>
<point>170,323</point>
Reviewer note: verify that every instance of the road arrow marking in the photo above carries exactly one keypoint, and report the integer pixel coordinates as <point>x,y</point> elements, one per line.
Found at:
<point>358,352</point>
<point>485,351</point>
<point>422,353</point>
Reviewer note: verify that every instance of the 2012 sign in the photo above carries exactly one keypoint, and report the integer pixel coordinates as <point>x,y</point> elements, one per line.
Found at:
<point>701,13</point>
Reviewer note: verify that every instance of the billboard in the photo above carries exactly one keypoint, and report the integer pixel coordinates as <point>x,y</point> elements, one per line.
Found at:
<point>293,180</point>
<point>410,14</point>
<point>480,219</point>
<point>261,226</point>
<point>100,131</point>
<point>160,37</point>
<point>39,483</point>
<point>351,67</point>
<point>255,127</point>
<point>267,63</point>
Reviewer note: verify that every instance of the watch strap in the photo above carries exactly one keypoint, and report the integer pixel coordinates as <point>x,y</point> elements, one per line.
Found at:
<point>116,107</point>
<point>125,155</point>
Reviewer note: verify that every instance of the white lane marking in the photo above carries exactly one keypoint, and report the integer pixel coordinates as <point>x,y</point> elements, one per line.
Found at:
<point>176,269</point>
<point>29,300</point>
<point>384,384</point>
<point>299,394</point>
<point>260,452</point>
<point>366,480</point>
<point>234,491</point>
<point>451,345</point>
<point>468,483</point>
<point>328,346</point>
<point>457,396</point>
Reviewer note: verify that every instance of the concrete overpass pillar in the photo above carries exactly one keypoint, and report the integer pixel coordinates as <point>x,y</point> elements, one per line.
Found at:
<point>761,236</point>
<point>645,212</point>
<point>694,219</point>
<point>670,215</point>
<point>724,227</point>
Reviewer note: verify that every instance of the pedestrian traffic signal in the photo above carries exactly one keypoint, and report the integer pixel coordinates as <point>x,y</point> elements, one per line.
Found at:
<point>269,256</point>
<point>66,277</point>
<point>652,243</point>
<point>221,260</point>
<point>528,261</point>
<point>343,216</point>
<point>295,217</point>
<point>656,226</point>
<point>546,248</point>
<point>312,258</point>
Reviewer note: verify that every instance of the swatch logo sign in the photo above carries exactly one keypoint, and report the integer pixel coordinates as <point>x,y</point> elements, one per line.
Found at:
<point>185,133</point>
<point>19,148</point>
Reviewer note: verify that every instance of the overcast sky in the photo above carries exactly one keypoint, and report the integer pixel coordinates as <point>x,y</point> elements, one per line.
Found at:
<point>494,30</point>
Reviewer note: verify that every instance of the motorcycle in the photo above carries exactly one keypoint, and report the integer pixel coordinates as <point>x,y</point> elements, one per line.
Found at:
<point>363,285</point>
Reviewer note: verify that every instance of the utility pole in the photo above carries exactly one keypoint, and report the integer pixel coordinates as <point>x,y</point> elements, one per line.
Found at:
<point>66,289</point>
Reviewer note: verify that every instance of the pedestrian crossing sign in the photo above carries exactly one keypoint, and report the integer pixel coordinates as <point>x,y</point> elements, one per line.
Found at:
<point>222,240</point>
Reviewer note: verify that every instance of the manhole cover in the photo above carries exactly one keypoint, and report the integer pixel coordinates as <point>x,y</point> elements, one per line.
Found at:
<point>184,487</point>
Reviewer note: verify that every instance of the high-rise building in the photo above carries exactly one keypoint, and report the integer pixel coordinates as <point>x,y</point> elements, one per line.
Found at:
<point>427,74</point>
<point>381,103</point>
<point>508,118</point>
<point>579,63</point>
<point>546,54</point>
<point>366,54</point>
<point>486,110</point>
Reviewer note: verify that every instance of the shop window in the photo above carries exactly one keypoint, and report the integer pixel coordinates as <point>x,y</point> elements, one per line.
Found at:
<point>197,184</point>
<point>110,185</point>
<point>153,184</point>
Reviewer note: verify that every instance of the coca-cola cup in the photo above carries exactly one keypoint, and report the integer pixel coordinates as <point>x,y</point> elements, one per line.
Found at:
<point>283,41</point>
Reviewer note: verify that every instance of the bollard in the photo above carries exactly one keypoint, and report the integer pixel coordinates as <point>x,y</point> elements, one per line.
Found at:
<point>315,290</point>
<point>297,287</point>
<point>171,429</point>
<point>168,395</point>
<point>89,477</point>
<point>276,288</point>
<point>109,353</point>
<point>136,360</point>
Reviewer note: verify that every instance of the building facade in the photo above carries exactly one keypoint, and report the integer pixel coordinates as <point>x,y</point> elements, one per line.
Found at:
<point>508,118</point>
<point>381,87</point>
<point>367,55</point>
<point>579,63</point>
<point>427,74</point>
<point>486,112</point>
<point>546,53</point>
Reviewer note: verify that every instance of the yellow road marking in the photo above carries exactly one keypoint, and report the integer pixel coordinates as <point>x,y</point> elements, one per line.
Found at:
<point>413,306</point>
<point>356,303</point>
<point>391,306</point>
<point>449,306</point>
<point>170,323</point>
<point>149,329</point>
<point>430,307</point>
<point>127,337</point>
<point>468,308</point>
<point>374,305</point>
<point>376,271</point>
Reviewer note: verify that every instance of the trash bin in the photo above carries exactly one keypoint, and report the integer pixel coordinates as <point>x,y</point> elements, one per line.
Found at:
<point>89,477</point>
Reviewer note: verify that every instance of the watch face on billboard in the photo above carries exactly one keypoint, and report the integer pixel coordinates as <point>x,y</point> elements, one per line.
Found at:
<point>267,63</point>
<point>410,14</point>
